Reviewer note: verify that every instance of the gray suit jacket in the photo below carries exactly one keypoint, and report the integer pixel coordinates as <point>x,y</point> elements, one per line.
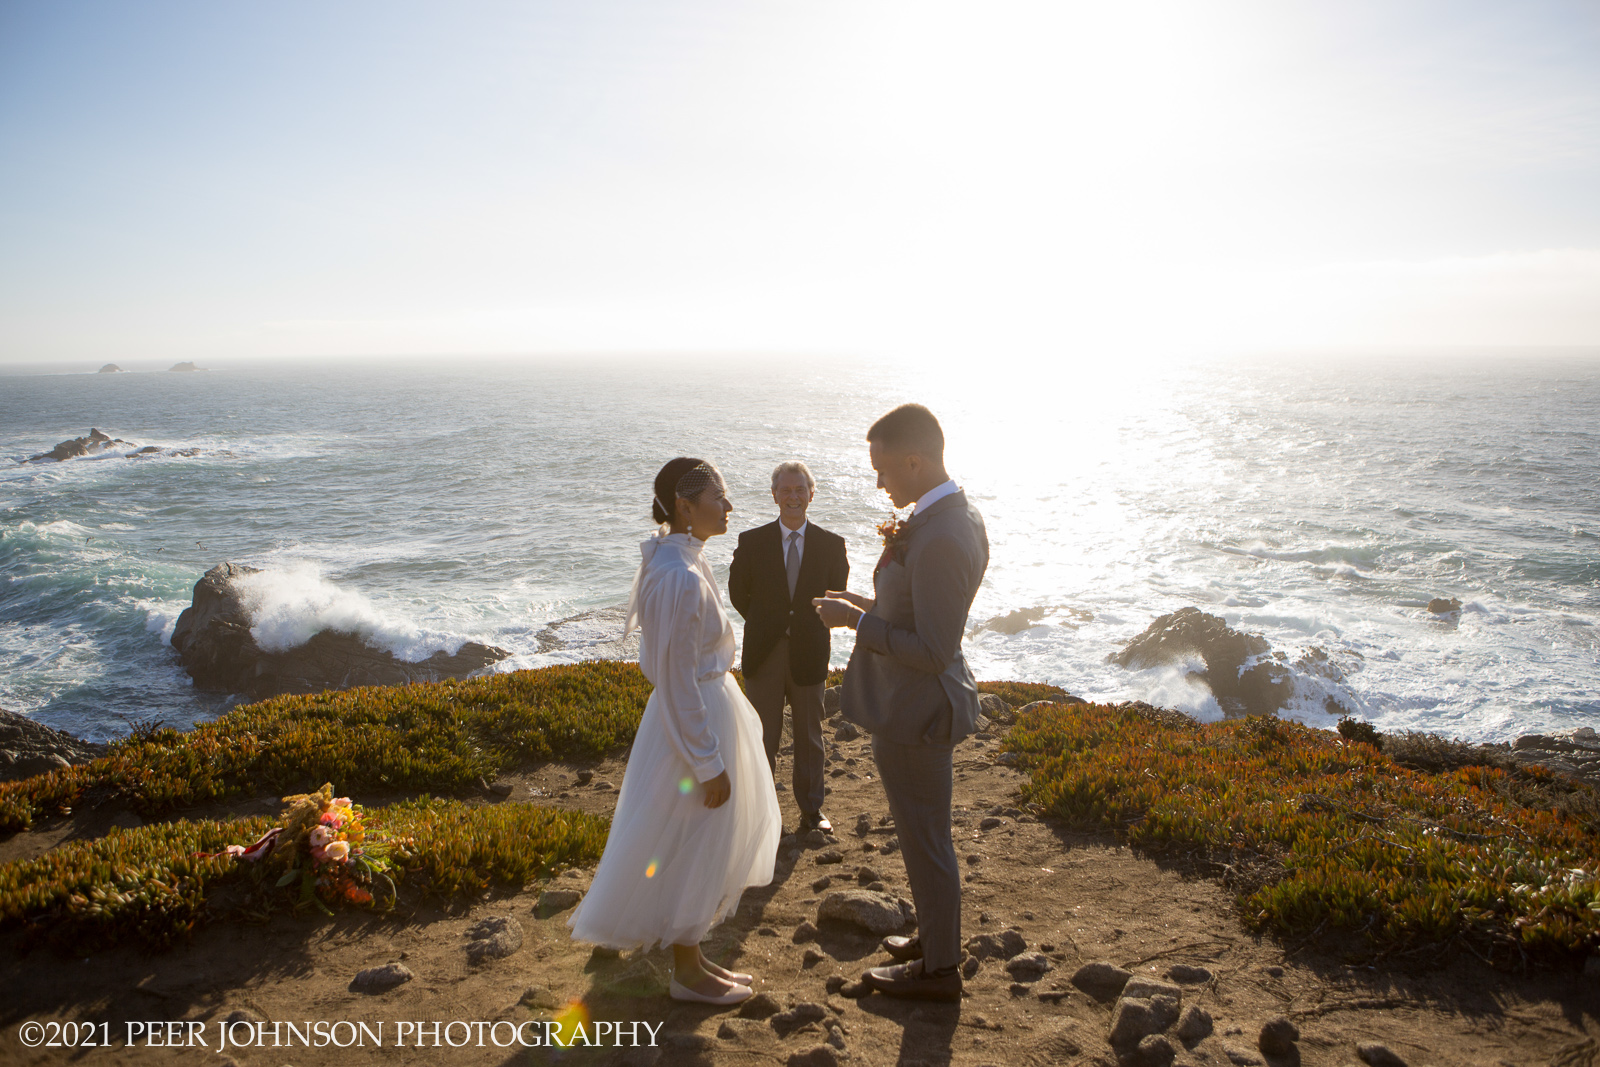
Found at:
<point>907,680</point>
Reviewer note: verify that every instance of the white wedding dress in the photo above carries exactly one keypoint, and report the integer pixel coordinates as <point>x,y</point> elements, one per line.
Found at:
<point>673,867</point>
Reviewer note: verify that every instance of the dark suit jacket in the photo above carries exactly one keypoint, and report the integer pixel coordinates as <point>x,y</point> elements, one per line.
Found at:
<point>758,586</point>
<point>907,679</point>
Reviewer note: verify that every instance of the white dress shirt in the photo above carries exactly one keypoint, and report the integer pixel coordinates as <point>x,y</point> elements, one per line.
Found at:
<point>938,492</point>
<point>799,544</point>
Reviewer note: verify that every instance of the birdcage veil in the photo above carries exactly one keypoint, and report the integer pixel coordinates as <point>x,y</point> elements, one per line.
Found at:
<point>692,483</point>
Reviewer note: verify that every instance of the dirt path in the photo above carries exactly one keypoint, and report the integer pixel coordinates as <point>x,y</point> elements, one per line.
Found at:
<point>1072,898</point>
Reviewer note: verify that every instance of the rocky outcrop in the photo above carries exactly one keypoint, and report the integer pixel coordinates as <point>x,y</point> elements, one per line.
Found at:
<point>184,367</point>
<point>98,442</point>
<point>80,446</point>
<point>1242,670</point>
<point>1576,755</point>
<point>213,639</point>
<point>110,368</point>
<point>28,748</point>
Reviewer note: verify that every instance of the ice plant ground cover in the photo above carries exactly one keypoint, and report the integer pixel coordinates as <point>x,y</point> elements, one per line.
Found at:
<point>1323,835</point>
<point>437,737</point>
<point>1419,844</point>
<point>152,885</point>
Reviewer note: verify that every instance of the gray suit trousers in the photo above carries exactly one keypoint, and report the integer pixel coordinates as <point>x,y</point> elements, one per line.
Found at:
<point>917,779</point>
<point>767,688</point>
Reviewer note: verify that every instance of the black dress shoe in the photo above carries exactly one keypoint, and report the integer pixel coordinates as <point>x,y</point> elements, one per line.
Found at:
<point>815,820</point>
<point>903,949</point>
<point>907,980</point>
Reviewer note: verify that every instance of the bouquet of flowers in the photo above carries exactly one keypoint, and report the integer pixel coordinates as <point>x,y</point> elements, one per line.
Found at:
<point>324,839</point>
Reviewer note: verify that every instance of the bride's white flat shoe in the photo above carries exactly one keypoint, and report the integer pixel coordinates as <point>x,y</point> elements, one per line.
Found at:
<point>736,976</point>
<point>738,993</point>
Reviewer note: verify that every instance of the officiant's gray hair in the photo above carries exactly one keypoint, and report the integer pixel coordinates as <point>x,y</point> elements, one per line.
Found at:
<point>793,466</point>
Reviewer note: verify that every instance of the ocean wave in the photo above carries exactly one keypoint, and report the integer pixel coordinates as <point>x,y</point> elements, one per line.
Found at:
<point>290,606</point>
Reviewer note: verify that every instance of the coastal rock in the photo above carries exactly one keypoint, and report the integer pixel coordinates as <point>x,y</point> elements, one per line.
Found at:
<point>1240,669</point>
<point>1278,1036</point>
<point>1028,968</point>
<point>28,748</point>
<point>1576,755</point>
<point>185,367</point>
<point>830,701</point>
<point>79,446</point>
<point>1194,1024</point>
<point>1001,946</point>
<point>214,642</point>
<point>381,979</point>
<point>1155,1051</point>
<point>1102,979</point>
<point>110,368</point>
<point>1185,972</point>
<point>996,709</point>
<point>1131,1020</point>
<point>1145,988</point>
<point>494,938</point>
<point>1376,1055</point>
<point>552,901</point>
<point>1441,605</point>
<point>875,912</point>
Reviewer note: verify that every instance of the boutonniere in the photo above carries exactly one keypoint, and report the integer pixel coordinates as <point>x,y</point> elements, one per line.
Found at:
<point>893,532</point>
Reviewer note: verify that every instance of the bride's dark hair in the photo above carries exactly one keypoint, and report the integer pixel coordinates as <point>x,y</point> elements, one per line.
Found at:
<point>667,486</point>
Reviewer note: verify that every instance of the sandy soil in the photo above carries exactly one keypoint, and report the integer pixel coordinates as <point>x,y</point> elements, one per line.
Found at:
<point>1075,898</point>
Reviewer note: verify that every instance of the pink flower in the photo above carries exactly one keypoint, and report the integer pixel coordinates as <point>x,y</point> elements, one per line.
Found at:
<point>320,836</point>
<point>341,802</point>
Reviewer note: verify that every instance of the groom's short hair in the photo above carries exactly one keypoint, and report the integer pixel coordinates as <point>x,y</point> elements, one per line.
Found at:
<point>912,428</point>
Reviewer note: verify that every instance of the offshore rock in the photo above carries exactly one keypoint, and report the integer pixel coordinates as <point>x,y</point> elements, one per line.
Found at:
<point>1241,670</point>
<point>213,640</point>
<point>28,748</point>
<point>79,446</point>
<point>185,366</point>
<point>110,368</point>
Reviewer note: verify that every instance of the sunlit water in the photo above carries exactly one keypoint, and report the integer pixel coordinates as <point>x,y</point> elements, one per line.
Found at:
<point>1317,503</point>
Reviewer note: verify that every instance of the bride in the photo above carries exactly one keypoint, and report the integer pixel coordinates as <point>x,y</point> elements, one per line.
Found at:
<point>697,818</point>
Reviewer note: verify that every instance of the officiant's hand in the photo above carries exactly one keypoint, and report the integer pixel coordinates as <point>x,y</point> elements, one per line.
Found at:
<point>718,790</point>
<point>841,608</point>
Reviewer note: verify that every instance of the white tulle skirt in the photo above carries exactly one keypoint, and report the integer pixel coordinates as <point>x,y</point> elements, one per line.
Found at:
<point>672,867</point>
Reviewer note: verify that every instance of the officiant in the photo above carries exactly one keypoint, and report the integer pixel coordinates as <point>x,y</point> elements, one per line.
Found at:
<point>777,569</point>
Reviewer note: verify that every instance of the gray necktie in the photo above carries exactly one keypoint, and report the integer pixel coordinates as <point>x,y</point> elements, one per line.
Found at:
<point>792,561</point>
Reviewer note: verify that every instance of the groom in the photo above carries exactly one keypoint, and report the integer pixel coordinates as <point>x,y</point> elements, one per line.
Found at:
<point>909,686</point>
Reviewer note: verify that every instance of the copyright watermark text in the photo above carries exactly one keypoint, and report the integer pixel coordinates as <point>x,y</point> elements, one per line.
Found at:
<point>343,1033</point>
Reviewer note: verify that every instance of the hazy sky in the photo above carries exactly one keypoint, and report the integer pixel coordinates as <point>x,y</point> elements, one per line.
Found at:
<point>208,180</point>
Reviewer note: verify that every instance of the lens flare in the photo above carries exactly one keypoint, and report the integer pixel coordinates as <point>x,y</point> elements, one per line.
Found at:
<point>650,871</point>
<point>685,785</point>
<point>568,1021</point>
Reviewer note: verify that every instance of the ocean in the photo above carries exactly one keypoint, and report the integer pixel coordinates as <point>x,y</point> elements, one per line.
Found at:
<point>1319,501</point>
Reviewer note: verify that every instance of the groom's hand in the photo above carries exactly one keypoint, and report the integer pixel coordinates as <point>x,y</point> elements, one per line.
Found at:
<point>840,609</point>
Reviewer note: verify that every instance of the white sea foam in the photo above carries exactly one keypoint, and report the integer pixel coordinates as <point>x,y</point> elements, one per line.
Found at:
<point>290,606</point>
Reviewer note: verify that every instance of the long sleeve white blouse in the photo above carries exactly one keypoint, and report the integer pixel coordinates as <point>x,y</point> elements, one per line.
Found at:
<point>684,638</point>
